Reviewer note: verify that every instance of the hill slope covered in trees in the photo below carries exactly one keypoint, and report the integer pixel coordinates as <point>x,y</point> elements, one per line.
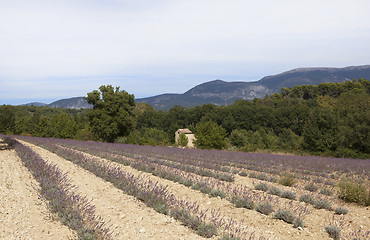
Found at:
<point>331,119</point>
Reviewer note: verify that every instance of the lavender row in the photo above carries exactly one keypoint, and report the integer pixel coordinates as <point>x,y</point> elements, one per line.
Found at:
<point>56,189</point>
<point>238,195</point>
<point>229,161</point>
<point>154,195</point>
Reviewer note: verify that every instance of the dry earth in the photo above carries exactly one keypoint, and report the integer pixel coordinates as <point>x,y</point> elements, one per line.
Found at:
<point>22,214</point>
<point>130,218</point>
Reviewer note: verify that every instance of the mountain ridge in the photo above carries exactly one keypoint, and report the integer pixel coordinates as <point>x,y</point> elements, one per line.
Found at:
<point>220,92</point>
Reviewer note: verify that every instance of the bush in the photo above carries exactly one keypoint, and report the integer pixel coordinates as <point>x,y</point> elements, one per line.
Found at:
<point>261,187</point>
<point>351,191</point>
<point>341,210</point>
<point>225,177</point>
<point>311,187</point>
<point>265,208</point>
<point>326,192</point>
<point>275,191</point>
<point>333,231</point>
<point>240,202</point>
<point>287,180</point>
<point>288,195</point>
<point>217,193</point>
<point>202,188</point>
<point>298,222</point>
<point>193,222</point>
<point>262,176</point>
<point>228,237</point>
<point>322,204</point>
<point>183,140</point>
<point>284,215</point>
<point>206,230</point>
<point>243,174</point>
<point>307,199</point>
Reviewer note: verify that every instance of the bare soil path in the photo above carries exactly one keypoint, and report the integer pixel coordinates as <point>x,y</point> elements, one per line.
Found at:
<point>129,218</point>
<point>22,214</point>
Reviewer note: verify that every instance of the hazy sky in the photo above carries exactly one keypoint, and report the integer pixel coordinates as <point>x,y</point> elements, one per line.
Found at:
<point>65,48</point>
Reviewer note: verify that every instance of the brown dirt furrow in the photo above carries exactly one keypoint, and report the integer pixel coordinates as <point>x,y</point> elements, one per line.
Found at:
<point>22,214</point>
<point>259,223</point>
<point>129,218</point>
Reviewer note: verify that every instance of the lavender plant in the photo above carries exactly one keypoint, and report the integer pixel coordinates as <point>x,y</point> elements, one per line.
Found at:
<point>264,208</point>
<point>153,194</point>
<point>56,189</point>
<point>285,215</point>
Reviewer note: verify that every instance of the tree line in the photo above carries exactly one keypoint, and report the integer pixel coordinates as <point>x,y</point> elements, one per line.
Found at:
<point>330,119</point>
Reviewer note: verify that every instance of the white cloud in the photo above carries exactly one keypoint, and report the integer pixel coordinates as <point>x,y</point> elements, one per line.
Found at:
<point>154,40</point>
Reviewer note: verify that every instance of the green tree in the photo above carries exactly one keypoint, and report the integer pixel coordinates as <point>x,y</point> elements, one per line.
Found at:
<point>320,132</point>
<point>7,119</point>
<point>210,135</point>
<point>183,140</point>
<point>61,126</point>
<point>112,113</point>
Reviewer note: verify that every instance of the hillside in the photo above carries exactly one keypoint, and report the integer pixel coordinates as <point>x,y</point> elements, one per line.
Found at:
<point>72,103</point>
<point>219,92</point>
<point>222,93</point>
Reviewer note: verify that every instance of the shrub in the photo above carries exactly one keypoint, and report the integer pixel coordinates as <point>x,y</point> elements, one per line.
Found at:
<point>288,195</point>
<point>275,191</point>
<point>287,180</point>
<point>217,193</point>
<point>261,187</point>
<point>161,208</point>
<point>228,237</point>
<point>298,222</point>
<point>311,187</point>
<point>235,171</point>
<point>326,192</point>
<point>10,141</point>
<point>264,208</point>
<point>284,215</point>
<point>206,230</point>
<point>186,182</point>
<point>225,177</point>
<point>333,231</point>
<point>243,174</point>
<point>193,222</point>
<point>262,176</point>
<point>341,210</point>
<point>240,202</point>
<point>253,175</point>
<point>351,191</point>
<point>183,140</point>
<point>322,204</point>
<point>307,199</point>
<point>202,188</point>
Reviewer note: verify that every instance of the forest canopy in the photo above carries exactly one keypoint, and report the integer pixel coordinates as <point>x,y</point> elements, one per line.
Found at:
<point>330,119</point>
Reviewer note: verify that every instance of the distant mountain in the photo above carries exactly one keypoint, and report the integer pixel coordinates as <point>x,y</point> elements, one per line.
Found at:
<point>72,103</point>
<point>36,104</point>
<point>219,92</point>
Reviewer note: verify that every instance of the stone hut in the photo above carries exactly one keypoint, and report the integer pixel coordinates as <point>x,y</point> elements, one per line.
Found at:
<point>188,134</point>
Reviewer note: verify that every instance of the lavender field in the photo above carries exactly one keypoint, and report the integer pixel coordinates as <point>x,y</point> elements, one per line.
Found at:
<point>215,194</point>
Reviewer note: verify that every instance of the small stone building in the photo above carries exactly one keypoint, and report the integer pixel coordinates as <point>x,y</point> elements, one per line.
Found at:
<point>188,134</point>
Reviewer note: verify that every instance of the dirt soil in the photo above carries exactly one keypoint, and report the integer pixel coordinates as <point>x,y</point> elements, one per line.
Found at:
<point>130,218</point>
<point>22,214</point>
